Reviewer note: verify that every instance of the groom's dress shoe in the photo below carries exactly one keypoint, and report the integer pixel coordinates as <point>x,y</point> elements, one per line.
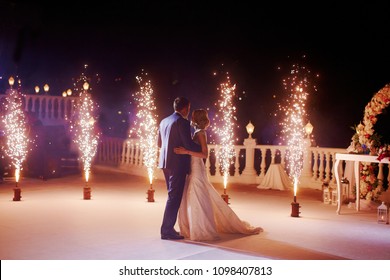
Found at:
<point>172,237</point>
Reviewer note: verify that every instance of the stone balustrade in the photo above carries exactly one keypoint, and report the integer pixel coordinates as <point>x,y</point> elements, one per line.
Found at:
<point>249,165</point>
<point>50,110</point>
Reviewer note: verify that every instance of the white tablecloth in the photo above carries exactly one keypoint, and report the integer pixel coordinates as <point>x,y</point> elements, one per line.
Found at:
<point>275,178</point>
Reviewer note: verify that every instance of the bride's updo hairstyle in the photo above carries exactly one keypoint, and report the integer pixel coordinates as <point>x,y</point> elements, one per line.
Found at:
<point>200,119</point>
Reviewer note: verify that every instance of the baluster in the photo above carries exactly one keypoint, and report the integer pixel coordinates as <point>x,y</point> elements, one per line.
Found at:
<point>48,108</point>
<point>118,151</point>
<point>104,151</point>
<point>110,151</point>
<point>26,99</point>
<point>54,108</point>
<point>136,158</point>
<point>327,167</point>
<point>141,157</point>
<point>321,167</point>
<point>334,182</point>
<point>132,154</point>
<point>315,165</point>
<point>262,164</point>
<point>125,151</point>
<point>33,105</point>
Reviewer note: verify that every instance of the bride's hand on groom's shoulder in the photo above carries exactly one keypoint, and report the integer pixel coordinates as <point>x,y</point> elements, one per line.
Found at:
<point>180,150</point>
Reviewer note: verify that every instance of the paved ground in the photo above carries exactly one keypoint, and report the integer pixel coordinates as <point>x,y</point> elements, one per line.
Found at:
<point>54,222</point>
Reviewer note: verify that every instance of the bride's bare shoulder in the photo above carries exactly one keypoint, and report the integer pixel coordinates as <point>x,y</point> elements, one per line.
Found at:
<point>200,133</point>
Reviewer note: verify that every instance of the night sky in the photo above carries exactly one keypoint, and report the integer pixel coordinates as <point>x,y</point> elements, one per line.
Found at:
<point>180,44</point>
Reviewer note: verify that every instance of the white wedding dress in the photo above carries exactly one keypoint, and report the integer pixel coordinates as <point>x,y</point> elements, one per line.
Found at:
<point>203,214</point>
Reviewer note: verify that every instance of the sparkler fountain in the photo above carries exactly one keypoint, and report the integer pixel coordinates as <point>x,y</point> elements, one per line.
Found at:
<point>15,130</point>
<point>225,131</point>
<point>146,128</point>
<point>85,136</point>
<point>296,86</point>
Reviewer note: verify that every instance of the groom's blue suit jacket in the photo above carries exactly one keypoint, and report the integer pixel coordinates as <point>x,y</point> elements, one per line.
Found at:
<point>175,131</point>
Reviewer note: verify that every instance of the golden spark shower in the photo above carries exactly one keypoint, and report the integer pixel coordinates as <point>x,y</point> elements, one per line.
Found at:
<point>85,135</point>
<point>145,126</point>
<point>14,121</point>
<point>224,128</point>
<point>296,86</point>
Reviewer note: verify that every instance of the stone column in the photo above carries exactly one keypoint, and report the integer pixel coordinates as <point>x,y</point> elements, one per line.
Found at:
<point>249,173</point>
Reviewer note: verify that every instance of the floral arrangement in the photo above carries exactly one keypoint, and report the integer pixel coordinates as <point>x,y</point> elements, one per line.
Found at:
<point>384,152</point>
<point>366,141</point>
<point>369,183</point>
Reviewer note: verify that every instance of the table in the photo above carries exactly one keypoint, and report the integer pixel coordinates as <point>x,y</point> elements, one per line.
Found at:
<point>356,158</point>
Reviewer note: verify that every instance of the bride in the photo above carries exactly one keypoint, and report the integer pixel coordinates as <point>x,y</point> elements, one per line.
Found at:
<point>203,214</point>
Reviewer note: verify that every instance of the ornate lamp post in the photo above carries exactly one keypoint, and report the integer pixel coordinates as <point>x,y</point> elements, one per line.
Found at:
<point>46,89</point>
<point>11,81</point>
<point>249,129</point>
<point>308,129</point>
<point>249,171</point>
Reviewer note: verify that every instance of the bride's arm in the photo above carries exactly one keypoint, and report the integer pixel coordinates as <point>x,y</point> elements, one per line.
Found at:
<point>203,143</point>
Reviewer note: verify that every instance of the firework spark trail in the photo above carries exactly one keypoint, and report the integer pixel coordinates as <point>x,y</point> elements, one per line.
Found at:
<point>84,127</point>
<point>15,129</point>
<point>145,126</point>
<point>296,87</point>
<point>225,127</point>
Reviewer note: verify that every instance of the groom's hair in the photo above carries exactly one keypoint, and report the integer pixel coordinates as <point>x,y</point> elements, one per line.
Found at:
<point>180,103</point>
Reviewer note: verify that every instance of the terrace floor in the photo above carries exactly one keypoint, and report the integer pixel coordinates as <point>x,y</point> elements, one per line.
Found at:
<point>53,222</point>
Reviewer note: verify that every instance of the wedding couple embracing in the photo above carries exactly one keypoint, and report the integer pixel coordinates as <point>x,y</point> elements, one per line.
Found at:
<point>201,212</point>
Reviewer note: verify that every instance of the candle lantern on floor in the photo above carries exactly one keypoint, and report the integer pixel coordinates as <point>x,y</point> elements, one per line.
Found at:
<point>383,214</point>
<point>345,190</point>
<point>334,197</point>
<point>326,195</point>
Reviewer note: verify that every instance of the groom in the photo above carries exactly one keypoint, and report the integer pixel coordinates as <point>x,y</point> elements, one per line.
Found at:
<point>175,131</point>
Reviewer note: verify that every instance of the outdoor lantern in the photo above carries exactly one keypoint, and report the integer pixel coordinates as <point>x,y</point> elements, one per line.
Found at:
<point>36,88</point>
<point>250,128</point>
<point>326,196</point>
<point>382,214</point>
<point>334,197</point>
<point>345,190</point>
<point>11,81</point>
<point>46,88</point>
<point>308,128</point>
